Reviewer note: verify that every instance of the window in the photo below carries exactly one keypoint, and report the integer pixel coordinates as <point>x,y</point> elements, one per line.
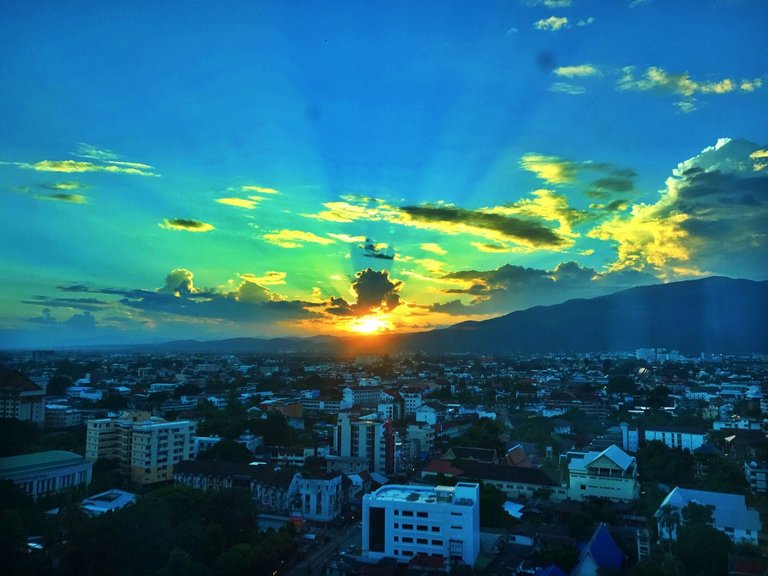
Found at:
<point>437,542</point>
<point>422,528</point>
<point>407,526</point>
<point>422,514</point>
<point>407,513</point>
<point>407,540</point>
<point>422,541</point>
<point>435,528</point>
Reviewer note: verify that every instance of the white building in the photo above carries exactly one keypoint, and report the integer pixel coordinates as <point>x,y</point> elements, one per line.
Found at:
<point>610,474</point>
<point>413,399</point>
<point>403,521</point>
<point>677,437</point>
<point>322,497</point>
<point>730,514</point>
<point>366,438</point>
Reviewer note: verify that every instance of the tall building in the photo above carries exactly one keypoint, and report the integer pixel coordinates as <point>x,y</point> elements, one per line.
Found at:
<point>146,446</point>
<point>20,398</point>
<point>370,439</point>
<point>403,521</point>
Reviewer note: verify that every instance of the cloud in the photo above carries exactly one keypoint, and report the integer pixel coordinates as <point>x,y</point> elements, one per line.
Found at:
<point>380,250</point>
<point>179,282</point>
<point>549,3</point>
<point>657,80</point>
<point>434,248</point>
<point>91,304</point>
<point>710,217</point>
<point>70,185</point>
<point>71,198</point>
<point>347,238</point>
<point>294,238</point>
<point>375,291</point>
<point>186,224</point>
<point>580,71</point>
<point>491,248</point>
<point>259,189</point>
<point>248,203</point>
<point>76,166</point>
<point>270,278</point>
<point>567,88</point>
<point>586,21</point>
<point>552,24</point>
<point>520,230</point>
<point>551,169</point>
<point>510,287</point>
<point>93,153</point>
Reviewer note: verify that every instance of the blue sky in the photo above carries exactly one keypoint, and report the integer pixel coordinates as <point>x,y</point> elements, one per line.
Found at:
<point>175,170</point>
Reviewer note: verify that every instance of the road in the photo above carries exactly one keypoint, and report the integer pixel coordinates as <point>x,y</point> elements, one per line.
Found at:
<point>339,540</point>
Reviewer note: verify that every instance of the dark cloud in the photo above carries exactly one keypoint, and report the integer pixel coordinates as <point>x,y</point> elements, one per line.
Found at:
<point>79,303</point>
<point>510,287</point>
<point>187,224</point>
<point>371,249</point>
<point>374,290</point>
<point>511,227</point>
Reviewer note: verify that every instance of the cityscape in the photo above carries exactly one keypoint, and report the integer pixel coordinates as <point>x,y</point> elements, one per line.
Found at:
<point>323,288</point>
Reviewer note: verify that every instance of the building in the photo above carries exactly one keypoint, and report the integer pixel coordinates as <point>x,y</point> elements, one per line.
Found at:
<point>677,437</point>
<point>321,495</point>
<point>108,501</point>
<point>756,474</point>
<point>146,446</point>
<point>730,514</point>
<point>44,473</point>
<point>405,521</point>
<point>20,398</point>
<point>370,439</point>
<point>610,474</point>
<point>601,555</point>
<point>61,416</point>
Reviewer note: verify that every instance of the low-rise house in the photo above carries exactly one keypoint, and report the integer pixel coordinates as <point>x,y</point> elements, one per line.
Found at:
<point>729,514</point>
<point>756,473</point>
<point>108,501</point>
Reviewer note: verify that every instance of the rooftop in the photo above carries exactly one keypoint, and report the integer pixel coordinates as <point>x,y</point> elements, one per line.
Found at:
<point>46,459</point>
<point>462,493</point>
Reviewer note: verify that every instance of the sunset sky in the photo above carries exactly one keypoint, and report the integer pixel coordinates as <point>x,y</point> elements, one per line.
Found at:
<point>209,170</point>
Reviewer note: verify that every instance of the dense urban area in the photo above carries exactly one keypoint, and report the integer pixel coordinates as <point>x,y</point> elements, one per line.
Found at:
<point>643,463</point>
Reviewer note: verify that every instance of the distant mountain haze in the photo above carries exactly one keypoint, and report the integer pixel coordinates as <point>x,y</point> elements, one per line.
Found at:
<point>715,314</point>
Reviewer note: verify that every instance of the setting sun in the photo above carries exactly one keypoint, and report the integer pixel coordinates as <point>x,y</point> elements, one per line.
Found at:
<point>370,325</point>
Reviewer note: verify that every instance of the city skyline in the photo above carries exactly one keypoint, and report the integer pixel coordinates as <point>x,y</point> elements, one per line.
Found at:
<point>299,169</point>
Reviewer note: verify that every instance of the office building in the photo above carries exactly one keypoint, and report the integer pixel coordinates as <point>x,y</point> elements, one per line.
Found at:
<point>373,440</point>
<point>20,398</point>
<point>404,521</point>
<point>45,473</point>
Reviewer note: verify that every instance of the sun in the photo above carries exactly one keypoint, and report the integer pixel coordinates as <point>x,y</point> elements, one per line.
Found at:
<point>370,325</point>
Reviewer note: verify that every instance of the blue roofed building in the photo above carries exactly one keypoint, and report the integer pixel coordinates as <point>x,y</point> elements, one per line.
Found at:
<point>600,555</point>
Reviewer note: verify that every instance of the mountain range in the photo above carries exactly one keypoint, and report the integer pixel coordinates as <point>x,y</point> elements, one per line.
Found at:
<point>715,315</point>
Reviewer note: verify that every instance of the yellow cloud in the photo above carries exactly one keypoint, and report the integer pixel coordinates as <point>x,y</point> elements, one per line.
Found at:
<point>434,248</point>
<point>249,203</point>
<point>294,238</point>
<point>551,169</point>
<point>259,189</point>
<point>347,238</point>
<point>580,71</point>
<point>75,166</point>
<point>70,185</point>
<point>659,80</point>
<point>270,278</point>
<point>759,156</point>
<point>73,198</point>
<point>186,224</point>
<point>546,205</point>
<point>587,252</point>
<point>552,23</point>
<point>431,265</point>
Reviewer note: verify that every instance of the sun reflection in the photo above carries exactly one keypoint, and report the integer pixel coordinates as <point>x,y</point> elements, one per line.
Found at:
<point>370,325</point>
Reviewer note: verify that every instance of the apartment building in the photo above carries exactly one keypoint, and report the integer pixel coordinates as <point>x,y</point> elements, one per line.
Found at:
<point>146,446</point>
<point>373,440</point>
<point>20,398</point>
<point>406,521</point>
<point>677,437</point>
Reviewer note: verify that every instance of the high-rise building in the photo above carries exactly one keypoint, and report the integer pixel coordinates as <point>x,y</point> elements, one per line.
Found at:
<point>373,440</point>
<point>405,521</point>
<point>146,446</point>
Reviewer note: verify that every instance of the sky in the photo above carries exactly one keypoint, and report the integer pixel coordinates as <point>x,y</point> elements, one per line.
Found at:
<point>204,170</point>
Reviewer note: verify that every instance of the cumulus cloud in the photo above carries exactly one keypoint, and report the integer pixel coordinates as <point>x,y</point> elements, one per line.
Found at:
<point>510,287</point>
<point>186,224</point>
<point>372,249</point>
<point>375,292</point>
<point>551,24</point>
<point>294,238</point>
<point>656,79</point>
<point>711,217</point>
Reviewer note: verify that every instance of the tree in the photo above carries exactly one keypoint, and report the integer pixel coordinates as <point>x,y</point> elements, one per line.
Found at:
<point>227,450</point>
<point>703,550</point>
<point>669,521</point>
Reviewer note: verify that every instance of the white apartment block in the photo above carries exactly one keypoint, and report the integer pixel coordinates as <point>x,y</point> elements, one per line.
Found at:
<point>412,399</point>
<point>676,437</point>
<point>403,521</point>
<point>146,446</point>
<point>322,498</point>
